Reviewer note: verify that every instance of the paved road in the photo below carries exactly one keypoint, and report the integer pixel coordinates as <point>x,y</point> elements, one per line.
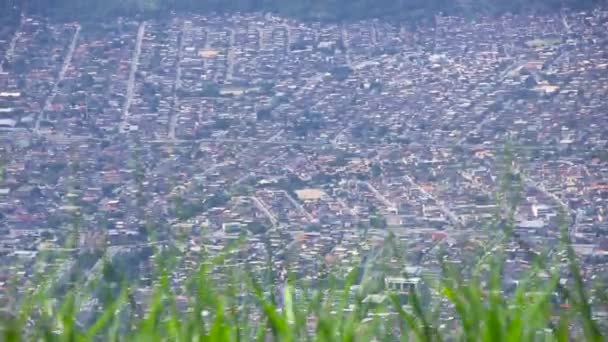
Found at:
<point>565,23</point>
<point>390,205</point>
<point>444,209</point>
<point>344,36</point>
<point>215,166</point>
<point>230,56</point>
<point>338,137</point>
<point>131,82</point>
<point>64,69</point>
<point>177,85</point>
<point>298,205</point>
<point>261,38</point>
<point>374,35</point>
<point>273,141</point>
<point>262,207</point>
<point>275,136</point>
<point>486,116</point>
<point>346,207</point>
<point>540,187</point>
<point>96,271</point>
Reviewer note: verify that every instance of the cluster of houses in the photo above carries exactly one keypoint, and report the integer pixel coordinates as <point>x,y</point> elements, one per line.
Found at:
<point>313,140</point>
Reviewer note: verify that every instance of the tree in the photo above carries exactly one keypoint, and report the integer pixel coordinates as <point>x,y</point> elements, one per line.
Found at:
<point>256,228</point>
<point>222,124</point>
<point>601,155</point>
<point>376,170</point>
<point>378,222</point>
<point>267,88</point>
<point>19,66</point>
<point>110,273</point>
<point>87,80</point>
<point>376,86</point>
<point>341,73</point>
<point>210,90</point>
<point>312,227</point>
<point>264,114</point>
<point>217,200</point>
<point>301,129</point>
<point>46,235</point>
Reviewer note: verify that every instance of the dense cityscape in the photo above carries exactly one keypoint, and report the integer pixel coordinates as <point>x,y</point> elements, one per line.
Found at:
<point>312,141</point>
